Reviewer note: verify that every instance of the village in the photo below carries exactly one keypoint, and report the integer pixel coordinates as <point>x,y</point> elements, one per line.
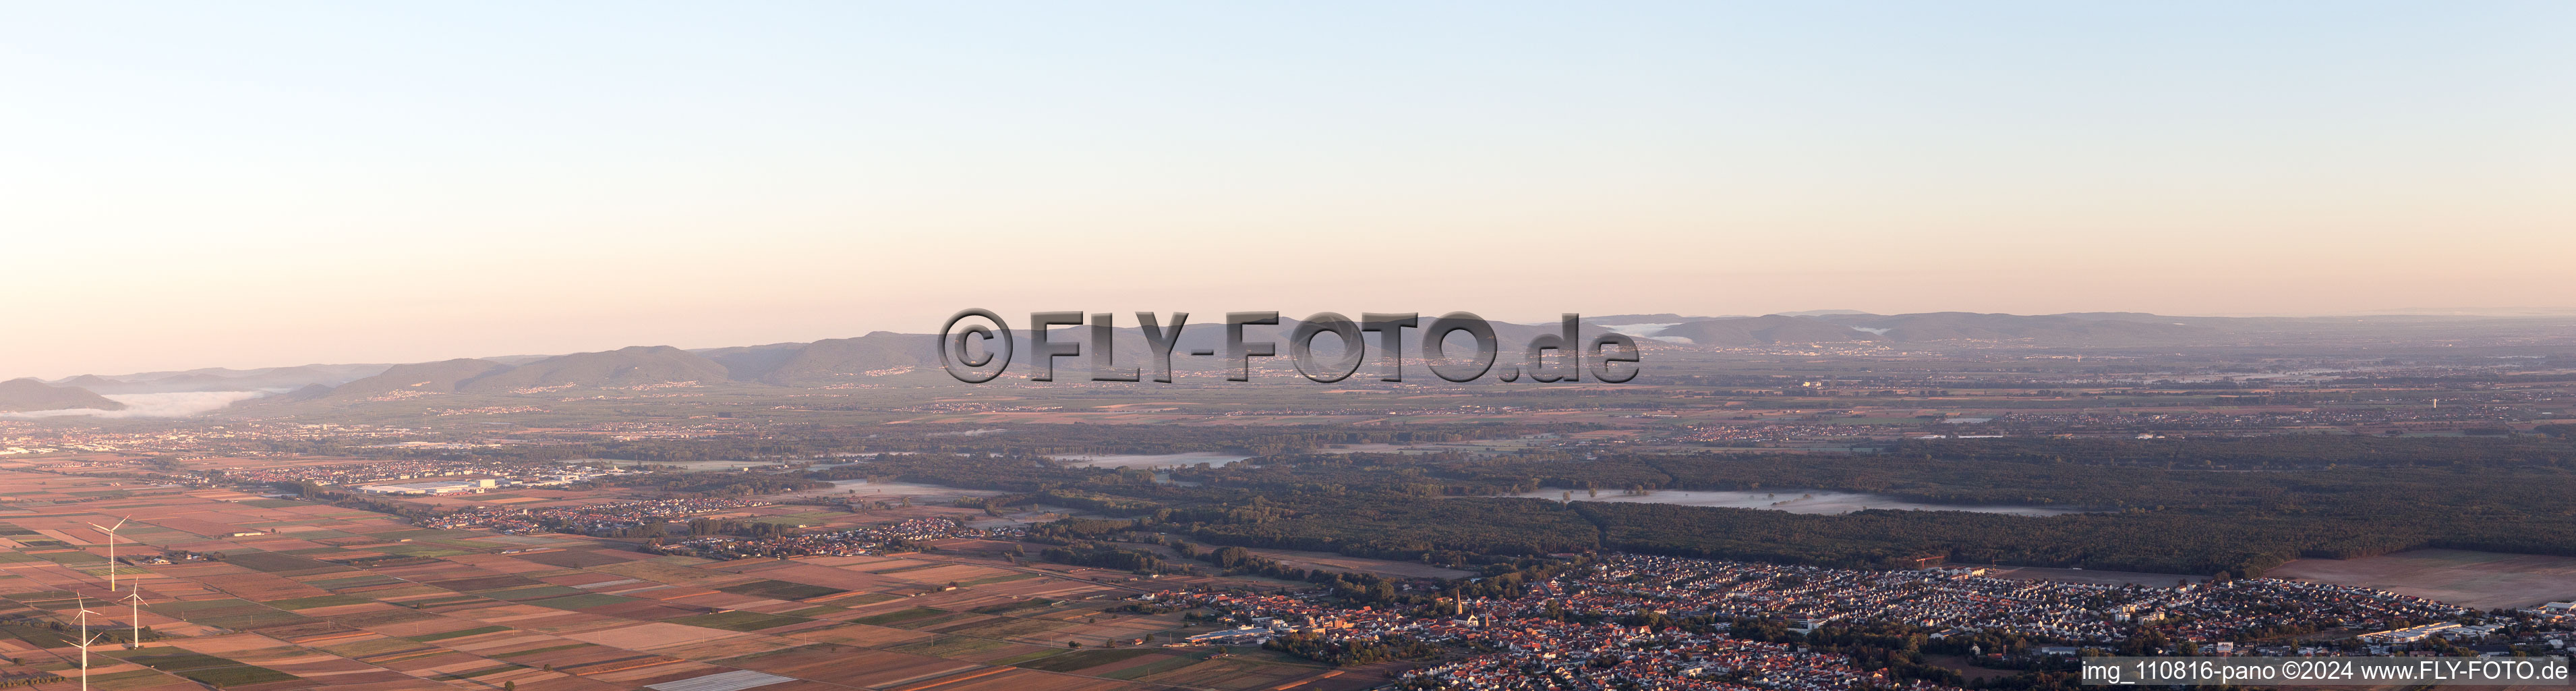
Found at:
<point>1558,621</point>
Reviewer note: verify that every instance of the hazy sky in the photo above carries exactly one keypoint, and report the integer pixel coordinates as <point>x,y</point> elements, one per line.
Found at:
<point>262,184</point>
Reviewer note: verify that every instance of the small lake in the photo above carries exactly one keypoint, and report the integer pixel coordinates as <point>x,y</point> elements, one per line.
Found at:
<point>1220,458</point>
<point>1792,501</point>
<point>1213,458</point>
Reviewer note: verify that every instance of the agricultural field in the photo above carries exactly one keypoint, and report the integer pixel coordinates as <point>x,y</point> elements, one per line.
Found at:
<point>2483,580</point>
<point>1341,562</point>
<point>264,593</point>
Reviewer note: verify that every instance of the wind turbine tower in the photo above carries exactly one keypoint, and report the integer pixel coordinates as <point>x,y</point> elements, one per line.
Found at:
<point>111,548</point>
<point>84,665</point>
<point>85,641</point>
<point>135,596</point>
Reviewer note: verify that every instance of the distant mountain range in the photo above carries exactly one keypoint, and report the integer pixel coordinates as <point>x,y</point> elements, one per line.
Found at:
<point>21,395</point>
<point>884,353</point>
<point>2101,329</point>
<point>220,379</point>
<point>825,361</point>
<point>1765,330</point>
<point>2071,330</point>
<point>783,364</point>
<point>447,376</point>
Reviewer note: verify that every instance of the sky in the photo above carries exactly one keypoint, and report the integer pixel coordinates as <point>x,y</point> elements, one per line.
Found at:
<point>267,184</point>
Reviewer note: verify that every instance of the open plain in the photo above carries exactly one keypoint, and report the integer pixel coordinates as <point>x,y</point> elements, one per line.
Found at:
<point>2483,580</point>
<point>266,593</point>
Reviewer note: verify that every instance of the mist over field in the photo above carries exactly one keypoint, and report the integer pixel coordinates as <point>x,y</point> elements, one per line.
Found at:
<point>147,405</point>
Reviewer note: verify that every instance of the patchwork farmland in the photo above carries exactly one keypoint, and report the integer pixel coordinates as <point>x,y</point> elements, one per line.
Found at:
<point>266,593</point>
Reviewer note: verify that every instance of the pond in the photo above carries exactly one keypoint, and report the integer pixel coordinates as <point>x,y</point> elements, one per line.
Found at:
<point>1159,460</point>
<point>1790,500</point>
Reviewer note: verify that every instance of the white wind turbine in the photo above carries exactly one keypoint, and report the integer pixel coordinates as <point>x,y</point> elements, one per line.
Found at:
<point>111,548</point>
<point>135,596</point>
<point>85,641</point>
<point>84,665</point>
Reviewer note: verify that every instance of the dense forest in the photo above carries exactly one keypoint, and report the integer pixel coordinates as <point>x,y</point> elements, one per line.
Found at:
<point>2282,452</point>
<point>812,442</point>
<point>2199,507</point>
<point>2205,509</point>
